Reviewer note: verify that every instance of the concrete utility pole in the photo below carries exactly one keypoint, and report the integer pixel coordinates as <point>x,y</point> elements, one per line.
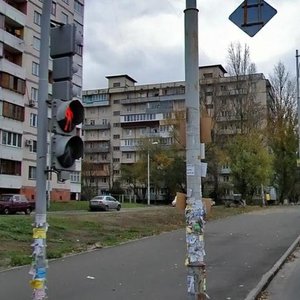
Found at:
<point>298,100</point>
<point>196,281</point>
<point>39,264</point>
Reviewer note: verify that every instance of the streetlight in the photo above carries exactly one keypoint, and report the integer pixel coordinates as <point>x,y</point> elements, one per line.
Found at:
<point>298,103</point>
<point>148,164</point>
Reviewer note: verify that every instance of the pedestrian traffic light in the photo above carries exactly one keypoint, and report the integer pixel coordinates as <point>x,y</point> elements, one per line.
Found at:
<point>67,111</point>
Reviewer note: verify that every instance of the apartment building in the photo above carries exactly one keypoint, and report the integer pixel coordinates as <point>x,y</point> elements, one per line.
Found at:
<point>20,26</point>
<point>118,116</point>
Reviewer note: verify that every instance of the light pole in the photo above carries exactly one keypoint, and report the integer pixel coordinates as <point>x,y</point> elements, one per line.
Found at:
<point>298,103</point>
<point>148,173</point>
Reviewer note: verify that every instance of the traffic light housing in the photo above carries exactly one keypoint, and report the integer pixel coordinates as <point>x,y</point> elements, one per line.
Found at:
<point>67,111</point>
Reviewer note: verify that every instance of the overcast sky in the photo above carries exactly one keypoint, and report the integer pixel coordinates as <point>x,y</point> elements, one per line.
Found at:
<point>145,38</point>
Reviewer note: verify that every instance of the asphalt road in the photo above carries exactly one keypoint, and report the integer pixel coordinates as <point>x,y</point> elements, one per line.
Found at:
<point>239,250</point>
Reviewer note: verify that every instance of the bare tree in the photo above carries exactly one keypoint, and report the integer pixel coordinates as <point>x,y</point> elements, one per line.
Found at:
<point>282,131</point>
<point>246,109</point>
<point>239,61</point>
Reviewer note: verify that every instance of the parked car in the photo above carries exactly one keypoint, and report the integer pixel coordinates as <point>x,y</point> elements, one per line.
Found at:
<point>104,202</point>
<point>13,203</point>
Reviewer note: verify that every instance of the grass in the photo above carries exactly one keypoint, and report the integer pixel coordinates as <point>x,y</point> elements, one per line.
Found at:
<point>82,205</point>
<point>73,233</point>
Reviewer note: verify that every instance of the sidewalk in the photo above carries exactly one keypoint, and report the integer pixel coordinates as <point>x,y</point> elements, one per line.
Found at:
<point>282,280</point>
<point>285,284</point>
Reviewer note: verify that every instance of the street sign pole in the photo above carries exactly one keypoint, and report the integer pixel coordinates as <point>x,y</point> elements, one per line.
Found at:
<point>196,281</point>
<point>39,264</point>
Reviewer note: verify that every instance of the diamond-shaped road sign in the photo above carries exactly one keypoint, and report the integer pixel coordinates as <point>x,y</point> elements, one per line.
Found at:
<point>252,15</point>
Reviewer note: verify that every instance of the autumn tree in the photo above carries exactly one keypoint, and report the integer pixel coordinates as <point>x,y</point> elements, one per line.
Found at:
<point>282,131</point>
<point>89,183</point>
<point>250,163</point>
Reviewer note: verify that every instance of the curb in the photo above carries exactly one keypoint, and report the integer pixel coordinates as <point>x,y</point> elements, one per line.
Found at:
<point>267,277</point>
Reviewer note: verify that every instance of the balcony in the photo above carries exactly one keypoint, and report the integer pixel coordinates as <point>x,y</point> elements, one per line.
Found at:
<point>141,119</point>
<point>95,126</point>
<point>11,68</point>
<point>12,41</point>
<point>10,181</point>
<point>98,149</point>
<point>15,14</point>
<point>11,153</point>
<point>128,148</point>
<point>153,99</point>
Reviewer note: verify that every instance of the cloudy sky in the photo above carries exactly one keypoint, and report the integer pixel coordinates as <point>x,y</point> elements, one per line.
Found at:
<point>145,38</point>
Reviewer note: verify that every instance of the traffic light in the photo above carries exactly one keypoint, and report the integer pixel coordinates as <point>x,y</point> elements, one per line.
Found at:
<point>67,111</point>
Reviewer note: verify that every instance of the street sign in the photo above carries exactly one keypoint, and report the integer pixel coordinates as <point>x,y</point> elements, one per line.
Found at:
<point>252,15</point>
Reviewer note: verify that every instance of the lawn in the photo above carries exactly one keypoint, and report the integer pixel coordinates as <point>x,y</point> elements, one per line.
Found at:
<point>73,233</point>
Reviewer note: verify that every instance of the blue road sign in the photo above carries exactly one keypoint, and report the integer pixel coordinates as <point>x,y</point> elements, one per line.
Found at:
<point>252,15</point>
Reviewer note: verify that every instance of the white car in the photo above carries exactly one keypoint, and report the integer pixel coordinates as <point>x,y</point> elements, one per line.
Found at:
<point>104,202</point>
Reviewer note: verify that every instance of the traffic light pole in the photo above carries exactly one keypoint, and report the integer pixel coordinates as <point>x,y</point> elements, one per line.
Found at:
<point>39,264</point>
<point>194,212</point>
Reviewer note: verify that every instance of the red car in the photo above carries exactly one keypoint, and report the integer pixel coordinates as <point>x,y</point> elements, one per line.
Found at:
<point>13,203</point>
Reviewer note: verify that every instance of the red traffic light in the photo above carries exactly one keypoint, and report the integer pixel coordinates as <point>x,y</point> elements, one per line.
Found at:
<point>69,114</point>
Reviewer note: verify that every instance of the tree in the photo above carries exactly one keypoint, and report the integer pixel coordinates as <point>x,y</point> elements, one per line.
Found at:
<point>167,169</point>
<point>250,163</point>
<point>235,107</point>
<point>246,108</point>
<point>282,124</point>
<point>239,61</point>
<point>89,186</point>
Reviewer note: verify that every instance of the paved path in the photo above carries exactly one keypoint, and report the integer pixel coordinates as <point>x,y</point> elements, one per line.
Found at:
<point>240,250</point>
<point>285,285</point>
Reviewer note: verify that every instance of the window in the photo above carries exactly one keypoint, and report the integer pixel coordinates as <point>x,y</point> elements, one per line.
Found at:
<point>116,113</point>
<point>34,94</point>
<point>117,124</point>
<point>13,111</point>
<point>11,139</point>
<point>53,9</point>
<point>116,84</point>
<point>33,147</point>
<point>75,177</point>
<point>78,7</point>
<point>10,167</point>
<point>128,155</point>
<point>116,160</point>
<point>116,101</point>
<point>11,82</point>
<point>35,69</point>
<point>116,136</point>
<point>32,172</point>
<point>208,75</point>
<point>36,43</point>
<point>33,120</point>
<point>64,18</point>
<point>116,148</point>
<point>37,18</point>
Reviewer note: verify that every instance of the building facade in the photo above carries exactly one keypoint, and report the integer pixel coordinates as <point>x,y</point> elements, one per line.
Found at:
<point>118,116</point>
<point>20,25</point>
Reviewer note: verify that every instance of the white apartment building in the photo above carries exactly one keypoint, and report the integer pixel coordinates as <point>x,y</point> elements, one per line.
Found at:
<point>20,22</point>
<point>118,116</point>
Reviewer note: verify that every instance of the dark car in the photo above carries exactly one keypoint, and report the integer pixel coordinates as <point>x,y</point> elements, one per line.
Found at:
<point>104,202</point>
<point>13,203</point>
